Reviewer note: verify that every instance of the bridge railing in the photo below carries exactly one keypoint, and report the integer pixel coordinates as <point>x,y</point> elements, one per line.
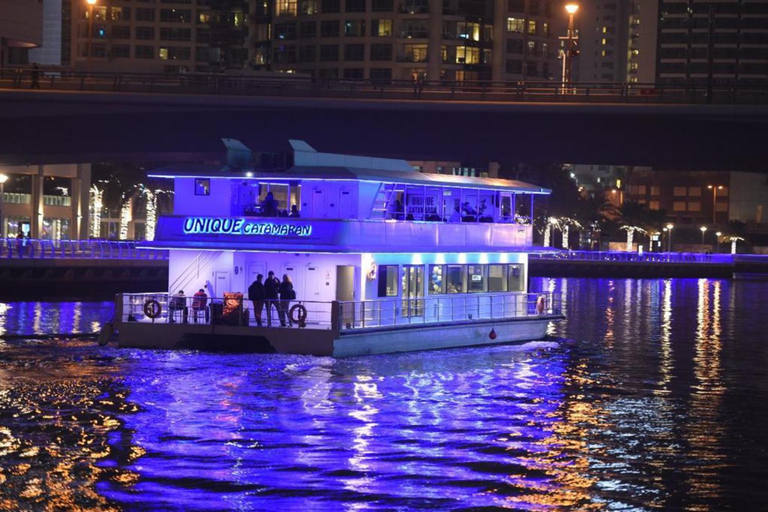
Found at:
<point>14,248</point>
<point>634,257</point>
<point>442,90</point>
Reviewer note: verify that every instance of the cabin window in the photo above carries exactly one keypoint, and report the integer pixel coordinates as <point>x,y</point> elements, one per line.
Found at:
<point>202,187</point>
<point>454,279</point>
<point>496,280</point>
<point>476,282</point>
<point>515,274</point>
<point>388,281</point>
<point>436,281</point>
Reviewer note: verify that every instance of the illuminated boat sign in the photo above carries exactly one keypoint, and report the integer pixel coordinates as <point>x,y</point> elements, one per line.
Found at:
<point>230,226</point>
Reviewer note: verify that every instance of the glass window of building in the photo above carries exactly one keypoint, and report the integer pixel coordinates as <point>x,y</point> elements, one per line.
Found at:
<point>469,31</point>
<point>308,7</point>
<point>532,27</point>
<point>308,29</point>
<point>516,278</point>
<point>467,55</point>
<point>680,191</point>
<point>382,5</point>
<point>287,8</point>
<point>306,54</point>
<point>329,52</point>
<point>515,46</point>
<point>145,52</point>
<point>145,33</point>
<point>477,282</point>
<point>515,24</point>
<point>388,280</point>
<point>121,32</point>
<point>694,206</point>
<point>381,52</point>
<point>454,279</point>
<point>436,282</point>
<point>354,52</point>
<point>329,28</point>
<point>354,28</point>
<point>331,5</point>
<point>496,278</point>
<point>678,206</point>
<point>354,5</point>
<point>415,53</point>
<point>381,28</point>
<point>694,191</point>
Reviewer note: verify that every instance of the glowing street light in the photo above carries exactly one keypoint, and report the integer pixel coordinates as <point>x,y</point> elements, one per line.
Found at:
<point>718,234</point>
<point>714,189</point>
<point>669,240</point>
<point>3,179</point>
<point>703,231</point>
<point>569,50</point>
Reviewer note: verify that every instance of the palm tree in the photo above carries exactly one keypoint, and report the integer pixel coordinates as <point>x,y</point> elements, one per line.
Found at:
<point>638,218</point>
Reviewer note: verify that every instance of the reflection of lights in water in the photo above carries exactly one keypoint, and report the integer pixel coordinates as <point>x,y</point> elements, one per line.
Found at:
<point>704,435</point>
<point>4,309</point>
<point>666,363</point>
<point>610,315</point>
<point>36,323</point>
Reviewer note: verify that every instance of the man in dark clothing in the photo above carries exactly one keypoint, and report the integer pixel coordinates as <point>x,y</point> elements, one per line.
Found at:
<point>271,290</point>
<point>256,294</point>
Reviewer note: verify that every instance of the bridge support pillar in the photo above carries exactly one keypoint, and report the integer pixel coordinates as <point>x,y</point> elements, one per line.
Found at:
<point>38,203</point>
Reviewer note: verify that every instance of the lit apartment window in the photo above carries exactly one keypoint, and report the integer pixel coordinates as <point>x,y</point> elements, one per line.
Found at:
<point>680,191</point>
<point>694,206</point>
<point>467,55</point>
<point>532,27</point>
<point>163,53</point>
<point>515,24</point>
<point>679,206</point>
<point>655,190</point>
<point>694,191</point>
<point>654,205</point>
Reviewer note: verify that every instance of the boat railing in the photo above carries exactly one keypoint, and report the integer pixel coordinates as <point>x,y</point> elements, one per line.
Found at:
<point>25,248</point>
<point>232,309</point>
<point>435,310</point>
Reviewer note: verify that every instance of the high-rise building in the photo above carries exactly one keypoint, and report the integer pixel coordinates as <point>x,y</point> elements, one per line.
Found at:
<point>641,44</point>
<point>603,41</point>
<point>710,42</point>
<point>381,40</point>
<point>171,36</point>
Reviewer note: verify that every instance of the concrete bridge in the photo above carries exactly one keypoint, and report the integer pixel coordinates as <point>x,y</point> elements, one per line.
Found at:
<point>84,126</point>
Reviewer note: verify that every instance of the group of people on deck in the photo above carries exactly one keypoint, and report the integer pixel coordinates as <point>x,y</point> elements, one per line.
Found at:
<point>272,293</point>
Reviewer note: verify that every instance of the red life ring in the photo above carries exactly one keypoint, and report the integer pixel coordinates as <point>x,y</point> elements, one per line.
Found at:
<point>152,309</point>
<point>302,314</point>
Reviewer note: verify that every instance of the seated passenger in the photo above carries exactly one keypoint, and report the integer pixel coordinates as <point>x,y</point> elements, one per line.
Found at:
<point>294,211</point>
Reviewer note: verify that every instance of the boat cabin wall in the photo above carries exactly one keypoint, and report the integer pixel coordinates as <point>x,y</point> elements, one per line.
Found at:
<point>314,276</point>
<point>201,196</point>
<point>435,274</point>
<point>329,200</point>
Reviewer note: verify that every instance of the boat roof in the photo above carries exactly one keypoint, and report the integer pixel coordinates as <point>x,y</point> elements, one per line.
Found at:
<point>341,173</point>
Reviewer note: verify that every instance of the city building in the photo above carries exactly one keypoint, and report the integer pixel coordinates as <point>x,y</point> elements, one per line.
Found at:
<point>603,41</point>
<point>21,29</point>
<point>168,37</point>
<point>384,40</point>
<point>700,198</point>
<point>46,201</point>
<point>708,42</point>
<point>641,45</point>
<point>56,35</point>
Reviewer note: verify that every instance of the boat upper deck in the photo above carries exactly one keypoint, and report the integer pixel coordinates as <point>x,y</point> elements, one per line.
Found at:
<point>344,203</point>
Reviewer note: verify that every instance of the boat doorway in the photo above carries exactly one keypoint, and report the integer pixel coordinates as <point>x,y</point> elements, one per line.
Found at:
<point>254,269</point>
<point>221,283</point>
<point>413,291</point>
<point>345,290</point>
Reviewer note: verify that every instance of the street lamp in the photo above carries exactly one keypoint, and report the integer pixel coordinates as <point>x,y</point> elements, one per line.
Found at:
<point>718,235</point>
<point>714,189</point>
<point>703,230</point>
<point>569,51</point>
<point>3,179</point>
<point>669,240</point>
<point>90,3</point>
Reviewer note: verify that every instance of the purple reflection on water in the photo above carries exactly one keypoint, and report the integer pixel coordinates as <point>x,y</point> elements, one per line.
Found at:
<point>43,318</point>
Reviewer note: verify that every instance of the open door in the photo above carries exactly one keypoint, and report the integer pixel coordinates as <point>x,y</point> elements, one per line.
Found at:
<point>345,291</point>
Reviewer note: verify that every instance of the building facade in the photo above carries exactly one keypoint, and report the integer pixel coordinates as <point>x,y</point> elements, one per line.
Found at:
<point>171,36</point>
<point>46,201</point>
<point>603,41</point>
<point>713,42</point>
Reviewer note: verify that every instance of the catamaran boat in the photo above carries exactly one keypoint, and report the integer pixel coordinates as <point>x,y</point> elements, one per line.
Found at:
<point>382,259</point>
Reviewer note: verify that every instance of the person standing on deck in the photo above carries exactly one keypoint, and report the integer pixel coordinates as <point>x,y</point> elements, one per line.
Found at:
<point>286,295</point>
<point>256,294</point>
<point>271,290</point>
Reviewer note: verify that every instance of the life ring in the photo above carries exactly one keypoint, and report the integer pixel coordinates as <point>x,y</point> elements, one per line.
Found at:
<point>540,302</point>
<point>152,309</point>
<point>302,315</point>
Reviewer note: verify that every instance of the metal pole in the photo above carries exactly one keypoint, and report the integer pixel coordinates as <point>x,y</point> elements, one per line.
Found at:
<point>2,205</point>
<point>714,203</point>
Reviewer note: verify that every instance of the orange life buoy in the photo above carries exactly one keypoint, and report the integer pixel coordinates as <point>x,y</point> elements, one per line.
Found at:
<point>300,317</point>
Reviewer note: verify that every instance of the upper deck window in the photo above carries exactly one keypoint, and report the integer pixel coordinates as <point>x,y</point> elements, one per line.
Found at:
<point>202,187</point>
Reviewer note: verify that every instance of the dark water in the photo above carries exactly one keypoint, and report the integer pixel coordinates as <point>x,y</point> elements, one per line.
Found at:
<point>653,395</point>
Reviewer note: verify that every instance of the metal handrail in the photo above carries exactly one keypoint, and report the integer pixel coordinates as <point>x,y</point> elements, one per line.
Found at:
<point>717,92</point>
<point>635,257</point>
<point>465,307</point>
<point>14,248</point>
<point>235,309</point>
